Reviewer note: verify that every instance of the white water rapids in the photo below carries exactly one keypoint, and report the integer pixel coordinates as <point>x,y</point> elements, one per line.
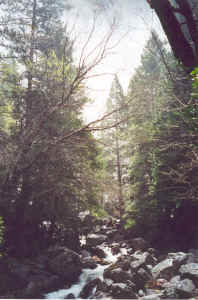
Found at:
<point>86,276</point>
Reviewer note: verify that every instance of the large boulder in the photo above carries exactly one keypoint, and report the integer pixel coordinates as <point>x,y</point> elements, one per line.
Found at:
<point>123,291</point>
<point>165,269</point>
<point>95,239</point>
<point>67,264</point>
<point>87,291</point>
<point>111,233</point>
<point>89,263</point>
<point>97,251</point>
<point>179,289</point>
<point>138,244</point>
<point>40,284</point>
<point>140,278</point>
<point>189,271</point>
<point>179,258</point>
<point>185,288</point>
<point>117,275</point>
<point>140,259</point>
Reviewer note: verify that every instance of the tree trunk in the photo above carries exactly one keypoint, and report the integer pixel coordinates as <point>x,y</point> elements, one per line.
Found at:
<point>180,46</point>
<point>191,23</point>
<point>119,176</point>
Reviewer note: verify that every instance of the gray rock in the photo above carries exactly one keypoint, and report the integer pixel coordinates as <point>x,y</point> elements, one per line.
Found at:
<point>89,263</point>
<point>189,271</point>
<point>139,244</point>
<point>122,291</point>
<point>84,253</point>
<point>140,278</point>
<point>185,288</point>
<point>141,259</point>
<point>115,248</point>
<point>87,290</point>
<point>67,264</point>
<point>179,258</point>
<point>39,284</point>
<point>145,275</point>
<point>164,269</point>
<point>152,297</point>
<point>110,233</point>
<point>117,275</point>
<point>97,251</point>
<point>175,280</point>
<point>124,264</point>
<point>170,291</point>
<point>96,239</point>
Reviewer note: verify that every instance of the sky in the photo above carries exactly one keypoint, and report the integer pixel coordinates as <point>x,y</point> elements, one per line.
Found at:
<point>133,18</point>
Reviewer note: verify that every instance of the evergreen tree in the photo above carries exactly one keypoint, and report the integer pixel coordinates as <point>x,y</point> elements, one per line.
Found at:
<point>114,148</point>
<point>162,170</point>
<point>50,174</point>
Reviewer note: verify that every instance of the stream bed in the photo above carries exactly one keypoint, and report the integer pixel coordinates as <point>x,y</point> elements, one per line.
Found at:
<point>88,275</point>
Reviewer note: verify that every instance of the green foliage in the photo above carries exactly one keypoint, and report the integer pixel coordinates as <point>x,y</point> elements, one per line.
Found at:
<point>129,224</point>
<point>48,164</point>
<point>163,142</point>
<point>99,212</point>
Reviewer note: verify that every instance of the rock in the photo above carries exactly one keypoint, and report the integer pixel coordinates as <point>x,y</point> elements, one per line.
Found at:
<point>40,284</point>
<point>19,269</point>
<point>179,258</point>
<point>152,297</point>
<point>96,239</point>
<point>138,244</point>
<point>89,263</point>
<point>189,271</point>
<point>70,296</point>
<point>110,233</point>
<point>179,289</point>
<point>141,259</point>
<point>170,291</point>
<point>101,295</point>
<point>175,279</point>
<point>164,269</point>
<point>145,275</point>
<point>153,252</point>
<point>192,256</point>
<point>84,253</point>
<point>124,263</point>
<point>66,264</point>
<point>115,248</point>
<point>140,278</point>
<point>168,267</point>
<point>118,237</point>
<point>98,252</point>
<point>122,291</point>
<point>117,275</point>
<point>185,288</point>
<point>161,282</point>
<point>87,290</point>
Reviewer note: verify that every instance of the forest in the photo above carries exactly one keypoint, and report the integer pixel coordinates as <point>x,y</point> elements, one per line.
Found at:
<point>137,165</point>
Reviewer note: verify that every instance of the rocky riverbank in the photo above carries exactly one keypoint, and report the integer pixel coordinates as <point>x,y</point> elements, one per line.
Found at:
<point>107,266</point>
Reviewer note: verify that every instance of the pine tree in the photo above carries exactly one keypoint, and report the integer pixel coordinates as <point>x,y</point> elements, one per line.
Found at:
<point>114,146</point>
<point>52,163</point>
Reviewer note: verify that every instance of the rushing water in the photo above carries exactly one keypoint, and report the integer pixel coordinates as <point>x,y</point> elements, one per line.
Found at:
<point>86,276</point>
